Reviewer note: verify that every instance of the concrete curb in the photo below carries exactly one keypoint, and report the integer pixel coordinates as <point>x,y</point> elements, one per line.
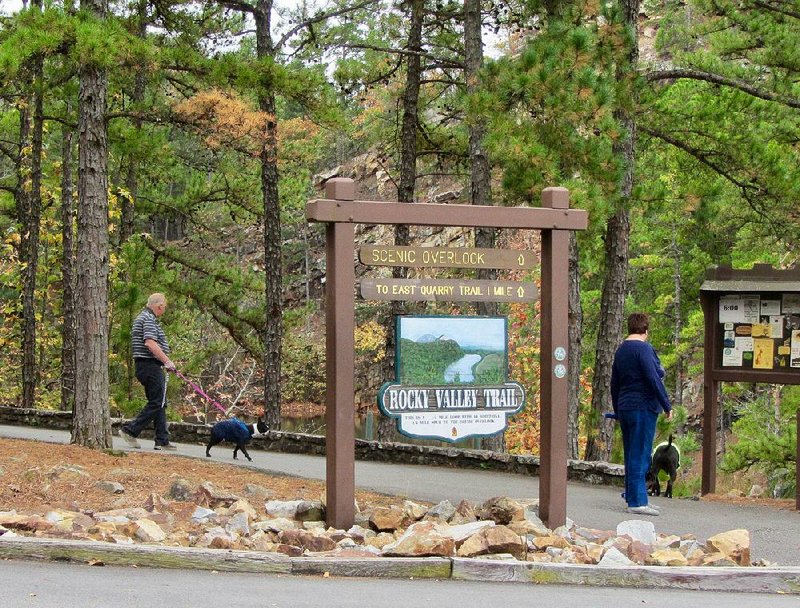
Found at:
<point>748,580</point>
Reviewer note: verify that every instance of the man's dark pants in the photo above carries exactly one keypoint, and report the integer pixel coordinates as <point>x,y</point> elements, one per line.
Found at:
<point>150,373</point>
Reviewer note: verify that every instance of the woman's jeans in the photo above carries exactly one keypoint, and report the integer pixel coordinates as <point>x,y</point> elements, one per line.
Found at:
<point>638,431</point>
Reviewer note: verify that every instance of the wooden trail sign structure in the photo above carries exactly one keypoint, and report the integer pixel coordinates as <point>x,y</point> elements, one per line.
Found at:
<point>341,212</point>
<point>752,334</point>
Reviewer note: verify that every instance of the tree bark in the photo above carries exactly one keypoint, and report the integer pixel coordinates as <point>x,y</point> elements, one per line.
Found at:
<point>67,272</point>
<point>29,201</point>
<point>480,170</point>
<point>273,326</point>
<point>91,425</point>
<point>406,187</point>
<point>615,282</point>
<point>678,322</point>
<point>128,200</point>
<point>575,350</point>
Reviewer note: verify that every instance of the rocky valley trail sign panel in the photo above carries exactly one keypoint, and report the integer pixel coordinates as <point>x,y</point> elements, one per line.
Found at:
<point>451,378</point>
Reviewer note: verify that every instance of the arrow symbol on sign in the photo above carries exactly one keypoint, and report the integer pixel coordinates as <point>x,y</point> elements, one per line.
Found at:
<point>521,292</point>
<point>521,259</point>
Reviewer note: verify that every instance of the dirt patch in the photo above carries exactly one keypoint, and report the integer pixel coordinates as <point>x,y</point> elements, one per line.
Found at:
<point>36,477</point>
<point>783,504</point>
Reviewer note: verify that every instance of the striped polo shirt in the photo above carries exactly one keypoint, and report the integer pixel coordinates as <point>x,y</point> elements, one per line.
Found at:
<point>147,327</point>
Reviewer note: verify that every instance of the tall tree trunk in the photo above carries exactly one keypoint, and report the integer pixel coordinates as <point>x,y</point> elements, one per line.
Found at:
<point>406,187</point>
<point>575,331</point>
<point>30,368</point>
<point>29,192</point>
<point>678,321</point>
<point>615,282</point>
<point>132,176</point>
<point>273,326</point>
<point>91,424</point>
<point>480,170</point>
<point>67,271</point>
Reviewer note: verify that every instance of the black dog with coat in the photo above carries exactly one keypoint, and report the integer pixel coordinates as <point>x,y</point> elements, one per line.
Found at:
<point>667,458</point>
<point>236,431</point>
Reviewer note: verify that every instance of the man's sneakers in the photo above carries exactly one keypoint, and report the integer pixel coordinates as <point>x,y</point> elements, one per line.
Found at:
<point>169,447</point>
<point>129,439</point>
<point>644,510</point>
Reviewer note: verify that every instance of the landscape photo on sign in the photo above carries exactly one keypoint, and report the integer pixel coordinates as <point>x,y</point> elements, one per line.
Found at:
<point>434,350</point>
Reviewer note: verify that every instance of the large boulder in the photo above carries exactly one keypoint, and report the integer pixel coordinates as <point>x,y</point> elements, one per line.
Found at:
<point>306,540</point>
<point>501,509</point>
<point>734,544</point>
<point>387,519</point>
<point>493,540</point>
<point>422,539</point>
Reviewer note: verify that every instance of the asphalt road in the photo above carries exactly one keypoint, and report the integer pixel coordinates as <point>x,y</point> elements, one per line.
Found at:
<point>60,585</point>
<point>775,534</point>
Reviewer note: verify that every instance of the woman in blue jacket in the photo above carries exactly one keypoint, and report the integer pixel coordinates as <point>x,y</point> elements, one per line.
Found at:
<point>638,397</point>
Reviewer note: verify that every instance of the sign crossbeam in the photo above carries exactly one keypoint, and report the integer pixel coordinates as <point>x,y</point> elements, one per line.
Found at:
<point>426,214</point>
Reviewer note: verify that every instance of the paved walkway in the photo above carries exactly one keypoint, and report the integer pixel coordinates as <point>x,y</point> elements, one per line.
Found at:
<point>775,533</point>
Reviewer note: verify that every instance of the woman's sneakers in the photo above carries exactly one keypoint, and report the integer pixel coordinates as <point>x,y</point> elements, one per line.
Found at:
<point>644,510</point>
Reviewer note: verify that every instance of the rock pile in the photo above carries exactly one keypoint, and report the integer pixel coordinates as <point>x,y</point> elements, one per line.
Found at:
<point>500,528</point>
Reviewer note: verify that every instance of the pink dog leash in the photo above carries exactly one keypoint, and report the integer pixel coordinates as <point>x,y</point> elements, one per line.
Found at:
<point>200,391</point>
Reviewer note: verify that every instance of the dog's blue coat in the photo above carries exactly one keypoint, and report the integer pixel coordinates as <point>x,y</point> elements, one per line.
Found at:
<point>233,430</point>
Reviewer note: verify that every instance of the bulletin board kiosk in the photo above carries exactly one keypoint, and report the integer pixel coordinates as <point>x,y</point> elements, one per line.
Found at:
<point>752,334</point>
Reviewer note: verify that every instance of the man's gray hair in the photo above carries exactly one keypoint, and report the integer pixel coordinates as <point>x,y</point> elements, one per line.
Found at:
<point>155,299</point>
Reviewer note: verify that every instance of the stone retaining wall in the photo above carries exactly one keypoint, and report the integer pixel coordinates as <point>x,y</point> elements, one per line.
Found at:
<point>299,443</point>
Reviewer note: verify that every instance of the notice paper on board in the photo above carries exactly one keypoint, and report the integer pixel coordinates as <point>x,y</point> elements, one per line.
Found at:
<point>739,309</point>
<point>763,352</point>
<point>731,357</point>
<point>794,360</point>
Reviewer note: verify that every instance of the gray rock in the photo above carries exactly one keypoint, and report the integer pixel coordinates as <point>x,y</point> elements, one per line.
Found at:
<point>180,490</point>
<point>257,493</point>
<point>613,557</point>
<point>462,532</point>
<point>278,524</point>
<point>444,511</point>
<point>302,510</point>
<point>637,529</point>
<point>112,487</point>
<point>238,524</point>
<point>202,513</point>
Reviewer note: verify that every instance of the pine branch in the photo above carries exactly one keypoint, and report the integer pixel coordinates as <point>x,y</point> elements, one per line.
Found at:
<point>773,6</point>
<point>237,6</point>
<point>722,81</point>
<point>173,256</point>
<point>321,17</point>
<point>390,51</point>
<point>749,190</point>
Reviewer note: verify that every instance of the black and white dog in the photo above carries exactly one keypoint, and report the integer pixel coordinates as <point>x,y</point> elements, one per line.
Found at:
<point>236,431</point>
<point>667,458</point>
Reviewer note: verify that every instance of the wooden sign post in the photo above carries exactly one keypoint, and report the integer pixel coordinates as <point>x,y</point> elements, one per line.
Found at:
<point>340,212</point>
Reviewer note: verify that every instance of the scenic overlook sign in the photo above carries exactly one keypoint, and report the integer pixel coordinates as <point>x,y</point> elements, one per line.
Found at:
<point>446,257</point>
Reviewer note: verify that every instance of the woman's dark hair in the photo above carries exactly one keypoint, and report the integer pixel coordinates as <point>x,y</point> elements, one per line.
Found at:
<point>638,323</point>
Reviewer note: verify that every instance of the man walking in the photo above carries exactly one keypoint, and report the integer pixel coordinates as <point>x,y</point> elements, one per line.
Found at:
<point>151,357</point>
